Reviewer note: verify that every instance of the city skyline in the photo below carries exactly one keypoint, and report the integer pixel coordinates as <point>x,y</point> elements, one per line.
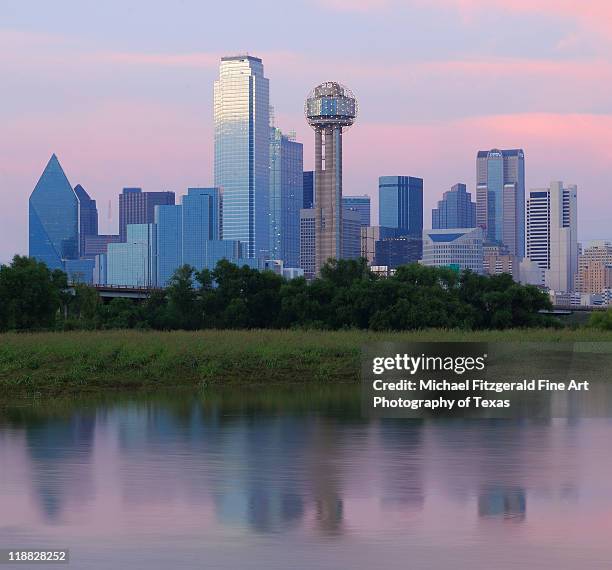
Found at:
<point>136,110</point>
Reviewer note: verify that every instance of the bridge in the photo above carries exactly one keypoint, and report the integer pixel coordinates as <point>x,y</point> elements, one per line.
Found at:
<point>109,292</point>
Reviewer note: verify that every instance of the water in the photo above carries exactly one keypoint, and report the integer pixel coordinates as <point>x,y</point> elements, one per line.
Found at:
<point>298,480</point>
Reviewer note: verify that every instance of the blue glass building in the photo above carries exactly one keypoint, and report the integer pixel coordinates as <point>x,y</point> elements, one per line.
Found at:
<point>200,224</point>
<point>400,204</point>
<point>88,217</point>
<point>359,204</point>
<point>80,270</point>
<point>169,228</point>
<point>309,189</point>
<point>53,218</point>
<point>286,197</point>
<point>500,197</point>
<point>242,151</point>
<point>133,263</point>
<point>455,210</point>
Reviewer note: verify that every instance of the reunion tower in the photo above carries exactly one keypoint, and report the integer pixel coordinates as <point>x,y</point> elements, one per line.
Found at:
<point>330,108</point>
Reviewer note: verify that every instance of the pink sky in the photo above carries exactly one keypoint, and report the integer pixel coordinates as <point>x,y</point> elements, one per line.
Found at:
<point>127,100</point>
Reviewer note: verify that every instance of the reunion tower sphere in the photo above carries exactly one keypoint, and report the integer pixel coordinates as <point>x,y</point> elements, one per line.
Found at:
<point>330,104</point>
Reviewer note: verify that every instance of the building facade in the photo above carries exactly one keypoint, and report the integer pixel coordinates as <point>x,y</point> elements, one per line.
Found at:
<point>455,210</point>
<point>369,237</point>
<point>307,243</point>
<point>359,204</point>
<point>308,189</point>
<point>88,217</point>
<point>458,248</point>
<point>594,273</point>
<point>97,244</point>
<point>397,251</point>
<point>500,197</point>
<point>132,263</point>
<point>351,234</point>
<point>242,152</point>
<point>138,207</point>
<point>286,196</point>
<point>497,260</point>
<point>400,204</point>
<point>552,227</point>
<point>53,218</point>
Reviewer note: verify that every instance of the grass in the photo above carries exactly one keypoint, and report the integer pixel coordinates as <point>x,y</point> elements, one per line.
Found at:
<point>92,362</point>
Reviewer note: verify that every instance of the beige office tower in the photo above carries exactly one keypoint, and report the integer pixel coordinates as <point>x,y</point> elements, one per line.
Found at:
<point>595,268</point>
<point>330,109</point>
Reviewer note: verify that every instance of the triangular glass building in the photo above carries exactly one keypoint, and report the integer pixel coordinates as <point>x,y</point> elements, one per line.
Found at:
<point>54,218</point>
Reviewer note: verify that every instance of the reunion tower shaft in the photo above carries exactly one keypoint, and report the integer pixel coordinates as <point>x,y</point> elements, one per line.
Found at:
<point>330,109</point>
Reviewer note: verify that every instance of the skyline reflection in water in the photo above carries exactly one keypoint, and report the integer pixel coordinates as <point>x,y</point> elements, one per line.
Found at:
<point>296,480</point>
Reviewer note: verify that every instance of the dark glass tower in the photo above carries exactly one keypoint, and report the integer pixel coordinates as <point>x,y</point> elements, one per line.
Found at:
<point>54,218</point>
<point>455,210</point>
<point>308,189</point>
<point>400,204</point>
<point>88,217</point>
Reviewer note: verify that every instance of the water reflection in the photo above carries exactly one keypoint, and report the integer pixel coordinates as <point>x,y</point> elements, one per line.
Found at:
<point>190,469</point>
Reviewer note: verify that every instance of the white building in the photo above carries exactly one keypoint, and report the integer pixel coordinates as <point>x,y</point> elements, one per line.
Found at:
<point>551,224</point>
<point>460,248</point>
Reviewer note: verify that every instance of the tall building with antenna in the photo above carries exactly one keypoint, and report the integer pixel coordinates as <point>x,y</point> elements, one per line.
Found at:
<point>330,109</point>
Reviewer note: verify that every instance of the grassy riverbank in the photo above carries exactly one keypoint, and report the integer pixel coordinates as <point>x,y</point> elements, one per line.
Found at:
<point>89,362</point>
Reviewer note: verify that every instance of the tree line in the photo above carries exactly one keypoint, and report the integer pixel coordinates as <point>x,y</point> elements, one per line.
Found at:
<point>346,295</point>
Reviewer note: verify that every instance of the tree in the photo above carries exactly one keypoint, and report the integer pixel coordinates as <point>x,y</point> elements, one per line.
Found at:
<point>601,320</point>
<point>29,294</point>
<point>183,310</point>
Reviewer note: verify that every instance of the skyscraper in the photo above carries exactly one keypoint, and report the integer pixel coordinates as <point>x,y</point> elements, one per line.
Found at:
<point>200,224</point>
<point>330,108</point>
<point>242,151</point>
<point>552,234</point>
<point>308,189</point>
<point>500,197</point>
<point>359,204</point>
<point>88,217</point>
<point>286,196</point>
<point>400,204</point>
<point>455,210</point>
<point>138,207</point>
<point>188,234</point>
<point>53,218</point>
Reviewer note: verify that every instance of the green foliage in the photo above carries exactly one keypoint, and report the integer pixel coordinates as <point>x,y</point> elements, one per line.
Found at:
<point>30,294</point>
<point>601,320</point>
<point>346,296</point>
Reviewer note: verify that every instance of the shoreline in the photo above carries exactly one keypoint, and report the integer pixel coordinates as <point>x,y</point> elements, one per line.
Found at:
<point>82,362</point>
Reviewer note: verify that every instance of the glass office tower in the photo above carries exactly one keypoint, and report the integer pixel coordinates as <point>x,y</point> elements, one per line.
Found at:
<point>53,218</point>
<point>200,224</point>
<point>500,197</point>
<point>400,204</point>
<point>455,210</point>
<point>359,204</point>
<point>286,196</point>
<point>242,151</point>
<point>308,189</point>
<point>88,217</point>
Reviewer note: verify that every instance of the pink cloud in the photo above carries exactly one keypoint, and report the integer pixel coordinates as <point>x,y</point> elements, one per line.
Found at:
<point>596,14</point>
